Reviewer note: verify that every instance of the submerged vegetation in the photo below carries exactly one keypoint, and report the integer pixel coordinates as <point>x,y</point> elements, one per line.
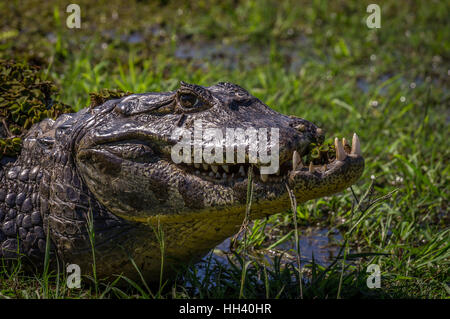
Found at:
<point>316,60</point>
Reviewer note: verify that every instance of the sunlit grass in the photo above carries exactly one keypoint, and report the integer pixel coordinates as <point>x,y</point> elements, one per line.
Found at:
<point>388,85</point>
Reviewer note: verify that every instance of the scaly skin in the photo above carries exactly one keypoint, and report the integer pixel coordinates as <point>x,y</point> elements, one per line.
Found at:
<point>113,163</point>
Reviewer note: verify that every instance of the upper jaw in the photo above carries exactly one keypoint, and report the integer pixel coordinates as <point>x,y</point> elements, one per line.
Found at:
<point>291,166</point>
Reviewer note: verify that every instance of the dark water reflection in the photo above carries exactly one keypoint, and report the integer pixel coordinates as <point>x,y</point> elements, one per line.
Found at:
<point>318,243</point>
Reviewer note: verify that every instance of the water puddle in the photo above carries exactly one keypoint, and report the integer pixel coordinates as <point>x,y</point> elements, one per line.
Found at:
<point>229,56</point>
<point>244,55</point>
<point>319,244</point>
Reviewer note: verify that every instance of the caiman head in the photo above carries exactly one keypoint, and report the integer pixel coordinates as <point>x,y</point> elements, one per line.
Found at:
<point>128,153</point>
<point>128,161</point>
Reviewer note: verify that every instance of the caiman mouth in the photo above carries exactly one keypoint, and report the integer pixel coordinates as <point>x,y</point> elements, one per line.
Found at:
<point>228,174</point>
<point>325,165</point>
<point>310,162</point>
<point>135,176</point>
<point>319,161</point>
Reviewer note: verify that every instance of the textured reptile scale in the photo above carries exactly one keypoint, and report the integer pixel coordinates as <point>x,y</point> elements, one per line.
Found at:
<point>21,230</point>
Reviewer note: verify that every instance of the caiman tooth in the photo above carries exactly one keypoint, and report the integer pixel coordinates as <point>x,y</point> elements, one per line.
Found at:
<point>197,172</point>
<point>205,167</point>
<point>226,168</point>
<point>296,161</point>
<point>224,175</point>
<point>241,170</point>
<point>264,177</point>
<point>211,174</point>
<point>340,153</point>
<point>215,168</point>
<point>356,146</point>
<point>218,175</point>
<point>196,165</point>
<point>311,169</point>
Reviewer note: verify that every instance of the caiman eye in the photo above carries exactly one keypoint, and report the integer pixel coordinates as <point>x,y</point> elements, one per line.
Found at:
<point>188,101</point>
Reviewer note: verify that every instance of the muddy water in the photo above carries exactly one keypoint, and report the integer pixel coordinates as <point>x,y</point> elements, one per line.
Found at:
<point>318,243</point>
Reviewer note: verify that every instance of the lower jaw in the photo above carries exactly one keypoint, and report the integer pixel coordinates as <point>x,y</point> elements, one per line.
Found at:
<point>310,185</point>
<point>191,235</point>
<point>306,186</point>
<point>268,198</point>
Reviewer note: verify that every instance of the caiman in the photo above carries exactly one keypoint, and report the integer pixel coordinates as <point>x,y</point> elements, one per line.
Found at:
<point>105,177</point>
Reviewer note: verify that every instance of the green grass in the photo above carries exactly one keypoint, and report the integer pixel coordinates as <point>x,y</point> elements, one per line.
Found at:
<point>316,60</point>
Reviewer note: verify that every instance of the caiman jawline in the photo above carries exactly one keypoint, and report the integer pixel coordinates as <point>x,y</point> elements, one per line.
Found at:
<point>229,173</point>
